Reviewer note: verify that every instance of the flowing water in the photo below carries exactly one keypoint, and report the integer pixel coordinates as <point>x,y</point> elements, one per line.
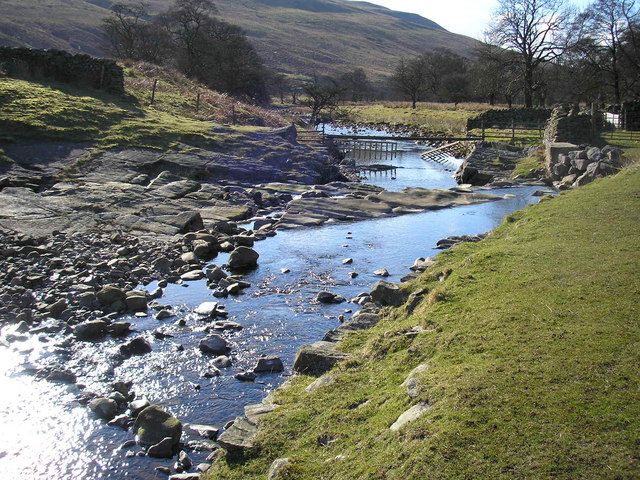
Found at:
<point>46,434</point>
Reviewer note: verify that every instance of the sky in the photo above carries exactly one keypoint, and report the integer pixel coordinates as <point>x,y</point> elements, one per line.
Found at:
<point>468,17</point>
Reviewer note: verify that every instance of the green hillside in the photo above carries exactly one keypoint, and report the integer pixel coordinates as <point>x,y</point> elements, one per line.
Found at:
<point>295,36</point>
<point>530,355</point>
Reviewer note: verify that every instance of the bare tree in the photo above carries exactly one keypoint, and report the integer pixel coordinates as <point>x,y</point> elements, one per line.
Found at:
<point>602,29</point>
<point>534,29</point>
<point>124,29</point>
<point>322,94</point>
<point>411,78</point>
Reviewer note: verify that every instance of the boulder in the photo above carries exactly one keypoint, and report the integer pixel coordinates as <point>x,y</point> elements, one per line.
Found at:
<point>136,301</point>
<point>382,272</point>
<point>56,309</point>
<point>388,294</point>
<point>239,437</point>
<point>410,415</point>
<point>192,276</point>
<point>278,469</point>
<point>214,345</point>
<point>317,358</point>
<point>162,449</point>
<point>268,365</point>
<point>153,425</point>
<point>112,299</point>
<point>243,258</point>
<point>104,408</point>
<point>91,330</point>
<point>137,346</point>
<point>329,298</point>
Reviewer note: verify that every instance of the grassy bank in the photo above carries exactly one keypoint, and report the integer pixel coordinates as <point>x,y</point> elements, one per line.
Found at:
<point>532,345</point>
<point>33,110</point>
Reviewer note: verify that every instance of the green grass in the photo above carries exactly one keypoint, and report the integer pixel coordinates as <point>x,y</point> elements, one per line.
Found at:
<point>528,166</point>
<point>31,110</point>
<point>431,117</point>
<point>533,347</point>
<point>523,138</point>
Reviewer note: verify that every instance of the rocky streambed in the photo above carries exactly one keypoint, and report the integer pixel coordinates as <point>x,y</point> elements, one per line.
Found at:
<point>157,322</point>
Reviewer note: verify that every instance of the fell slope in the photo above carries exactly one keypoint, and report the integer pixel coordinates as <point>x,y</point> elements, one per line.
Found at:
<point>531,353</point>
<point>294,36</point>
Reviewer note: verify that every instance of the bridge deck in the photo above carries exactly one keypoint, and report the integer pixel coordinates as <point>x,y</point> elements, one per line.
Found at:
<point>407,139</point>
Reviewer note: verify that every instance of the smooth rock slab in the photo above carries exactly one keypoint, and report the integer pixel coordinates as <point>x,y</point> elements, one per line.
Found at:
<point>317,358</point>
<point>163,449</point>
<point>239,438</point>
<point>410,415</point>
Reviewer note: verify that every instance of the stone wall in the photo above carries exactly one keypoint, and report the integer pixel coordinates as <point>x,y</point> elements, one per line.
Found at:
<point>503,118</point>
<point>568,124</point>
<point>62,66</point>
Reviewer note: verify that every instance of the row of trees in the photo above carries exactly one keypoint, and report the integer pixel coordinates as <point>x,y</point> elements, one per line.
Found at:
<point>189,37</point>
<point>537,51</point>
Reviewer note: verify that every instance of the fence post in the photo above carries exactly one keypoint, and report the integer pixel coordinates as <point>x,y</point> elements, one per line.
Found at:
<point>198,102</point>
<point>482,127</point>
<point>513,130</point>
<point>153,91</point>
<point>233,114</point>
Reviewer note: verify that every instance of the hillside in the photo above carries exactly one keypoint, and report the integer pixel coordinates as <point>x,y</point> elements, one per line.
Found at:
<point>528,354</point>
<point>294,36</point>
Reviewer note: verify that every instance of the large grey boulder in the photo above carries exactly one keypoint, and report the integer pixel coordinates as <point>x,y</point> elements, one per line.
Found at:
<point>317,358</point>
<point>388,294</point>
<point>243,258</point>
<point>136,301</point>
<point>153,425</point>
<point>278,468</point>
<point>239,438</point>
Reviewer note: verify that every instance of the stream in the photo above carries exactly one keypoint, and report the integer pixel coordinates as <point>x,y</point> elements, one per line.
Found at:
<point>45,432</point>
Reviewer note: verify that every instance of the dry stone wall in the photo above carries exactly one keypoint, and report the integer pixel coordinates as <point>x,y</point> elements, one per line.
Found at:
<point>61,66</point>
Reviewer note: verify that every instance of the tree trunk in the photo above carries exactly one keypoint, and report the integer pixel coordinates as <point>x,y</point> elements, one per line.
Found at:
<point>528,86</point>
<point>414,100</point>
<point>492,99</point>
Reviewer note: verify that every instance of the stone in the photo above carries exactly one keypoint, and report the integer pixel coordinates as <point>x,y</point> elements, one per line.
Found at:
<point>118,329</point>
<point>215,274</point>
<point>388,294</point>
<point>153,425</point>
<point>383,272</point>
<point>137,346</point>
<point>185,476</point>
<point>243,258</point>
<point>347,261</point>
<point>320,382</point>
<point>87,300</point>
<point>594,154</point>
<point>214,344</point>
<point>239,437</point>
<point>138,405</point>
<point>164,314</point>
<point>278,468</point>
<point>222,361</point>
<point>317,358</point>
<point>136,301</point>
<point>247,376</point>
<point>207,308</point>
<point>56,309</point>
<point>206,431</point>
<point>90,330</point>
<point>411,415</point>
<point>192,276</point>
<point>112,299</point>
<point>185,460</point>
<point>421,264</point>
<point>104,408</point>
<point>329,298</point>
<point>268,365</point>
<point>411,383</point>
